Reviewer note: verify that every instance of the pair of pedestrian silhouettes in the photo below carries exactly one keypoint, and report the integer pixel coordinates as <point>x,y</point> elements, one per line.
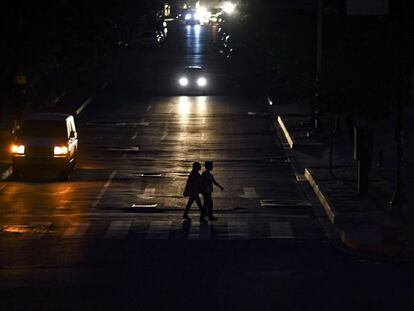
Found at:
<point>203,184</point>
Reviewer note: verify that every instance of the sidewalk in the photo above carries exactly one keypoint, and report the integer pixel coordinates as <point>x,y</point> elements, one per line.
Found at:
<point>359,219</point>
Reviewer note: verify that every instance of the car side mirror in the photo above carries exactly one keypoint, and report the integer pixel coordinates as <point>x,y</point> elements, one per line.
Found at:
<point>72,134</point>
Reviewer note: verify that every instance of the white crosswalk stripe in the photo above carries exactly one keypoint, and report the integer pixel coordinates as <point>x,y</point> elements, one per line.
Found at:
<point>199,231</point>
<point>238,230</point>
<point>118,229</point>
<point>149,193</point>
<point>37,232</point>
<point>281,230</point>
<point>76,230</point>
<point>163,230</point>
<point>249,193</point>
<point>159,230</point>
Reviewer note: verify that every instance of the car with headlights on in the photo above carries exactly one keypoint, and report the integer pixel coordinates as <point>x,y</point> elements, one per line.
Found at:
<point>192,79</point>
<point>48,141</point>
<point>191,18</point>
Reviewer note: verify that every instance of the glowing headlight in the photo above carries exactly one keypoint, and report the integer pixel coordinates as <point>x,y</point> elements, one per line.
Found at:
<point>183,81</point>
<point>18,149</point>
<point>60,150</point>
<point>196,16</point>
<point>188,16</point>
<point>201,81</point>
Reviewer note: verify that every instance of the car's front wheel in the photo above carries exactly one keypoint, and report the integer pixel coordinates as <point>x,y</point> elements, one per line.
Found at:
<point>64,173</point>
<point>17,172</point>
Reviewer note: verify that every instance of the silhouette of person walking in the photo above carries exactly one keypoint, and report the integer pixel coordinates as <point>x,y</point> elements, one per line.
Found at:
<point>192,190</point>
<point>207,181</point>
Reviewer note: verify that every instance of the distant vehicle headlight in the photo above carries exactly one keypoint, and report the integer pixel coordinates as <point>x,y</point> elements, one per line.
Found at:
<point>183,81</point>
<point>60,150</point>
<point>201,81</point>
<point>188,16</point>
<point>18,149</point>
<point>197,16</point>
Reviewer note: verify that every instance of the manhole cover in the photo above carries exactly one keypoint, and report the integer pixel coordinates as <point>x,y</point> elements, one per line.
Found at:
<point>129,149</point>
<point>285,203</point>
<point>145,205</point>
<point>150,175</point>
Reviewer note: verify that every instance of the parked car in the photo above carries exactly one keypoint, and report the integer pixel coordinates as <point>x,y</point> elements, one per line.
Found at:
<point>45,140</point>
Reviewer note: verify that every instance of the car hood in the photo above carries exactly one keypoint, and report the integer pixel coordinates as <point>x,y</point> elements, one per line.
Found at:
<point>41,141</point>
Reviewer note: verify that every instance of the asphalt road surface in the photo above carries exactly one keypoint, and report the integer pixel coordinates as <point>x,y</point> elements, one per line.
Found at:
<point>112,237</point>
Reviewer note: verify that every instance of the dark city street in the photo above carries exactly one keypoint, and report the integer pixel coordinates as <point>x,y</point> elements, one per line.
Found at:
<point>304,107</point>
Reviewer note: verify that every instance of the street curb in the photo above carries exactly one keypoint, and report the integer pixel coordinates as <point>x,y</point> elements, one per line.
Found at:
<point>322,199</point>
<point>388,251</point>
<point>285,132</point>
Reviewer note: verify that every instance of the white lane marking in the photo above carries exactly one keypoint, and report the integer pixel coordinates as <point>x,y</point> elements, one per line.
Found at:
<point>135,135</point>
<point>164,136</point>
<point>159,230</point>
<point>300,177</point>
<point>76,230</point>
<point>40,229</point>
<point>125,154</point>
<point>144,206</point>
<point>199,231</point>
<point>67,189</point>
<point>6,174</point>
<point>148,193</point>
<point>143,122</point>
<point>132,148</point>
<point>281,230</point>
<point>249,193</point>
<point>118,229</point>
<point>3,186</point>
<point>238,230</point>
<point>149,108</point>
<point>86,103</point>
<point>104,188</point>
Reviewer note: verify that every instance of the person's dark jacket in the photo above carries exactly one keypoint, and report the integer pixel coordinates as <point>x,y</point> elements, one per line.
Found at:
<point>192,186</point>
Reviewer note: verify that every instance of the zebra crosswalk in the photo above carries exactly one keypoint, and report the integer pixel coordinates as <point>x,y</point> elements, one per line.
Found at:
<point>162,230</point>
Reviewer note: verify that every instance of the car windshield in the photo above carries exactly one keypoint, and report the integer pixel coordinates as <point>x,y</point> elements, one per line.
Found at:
<point>44,128</point>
